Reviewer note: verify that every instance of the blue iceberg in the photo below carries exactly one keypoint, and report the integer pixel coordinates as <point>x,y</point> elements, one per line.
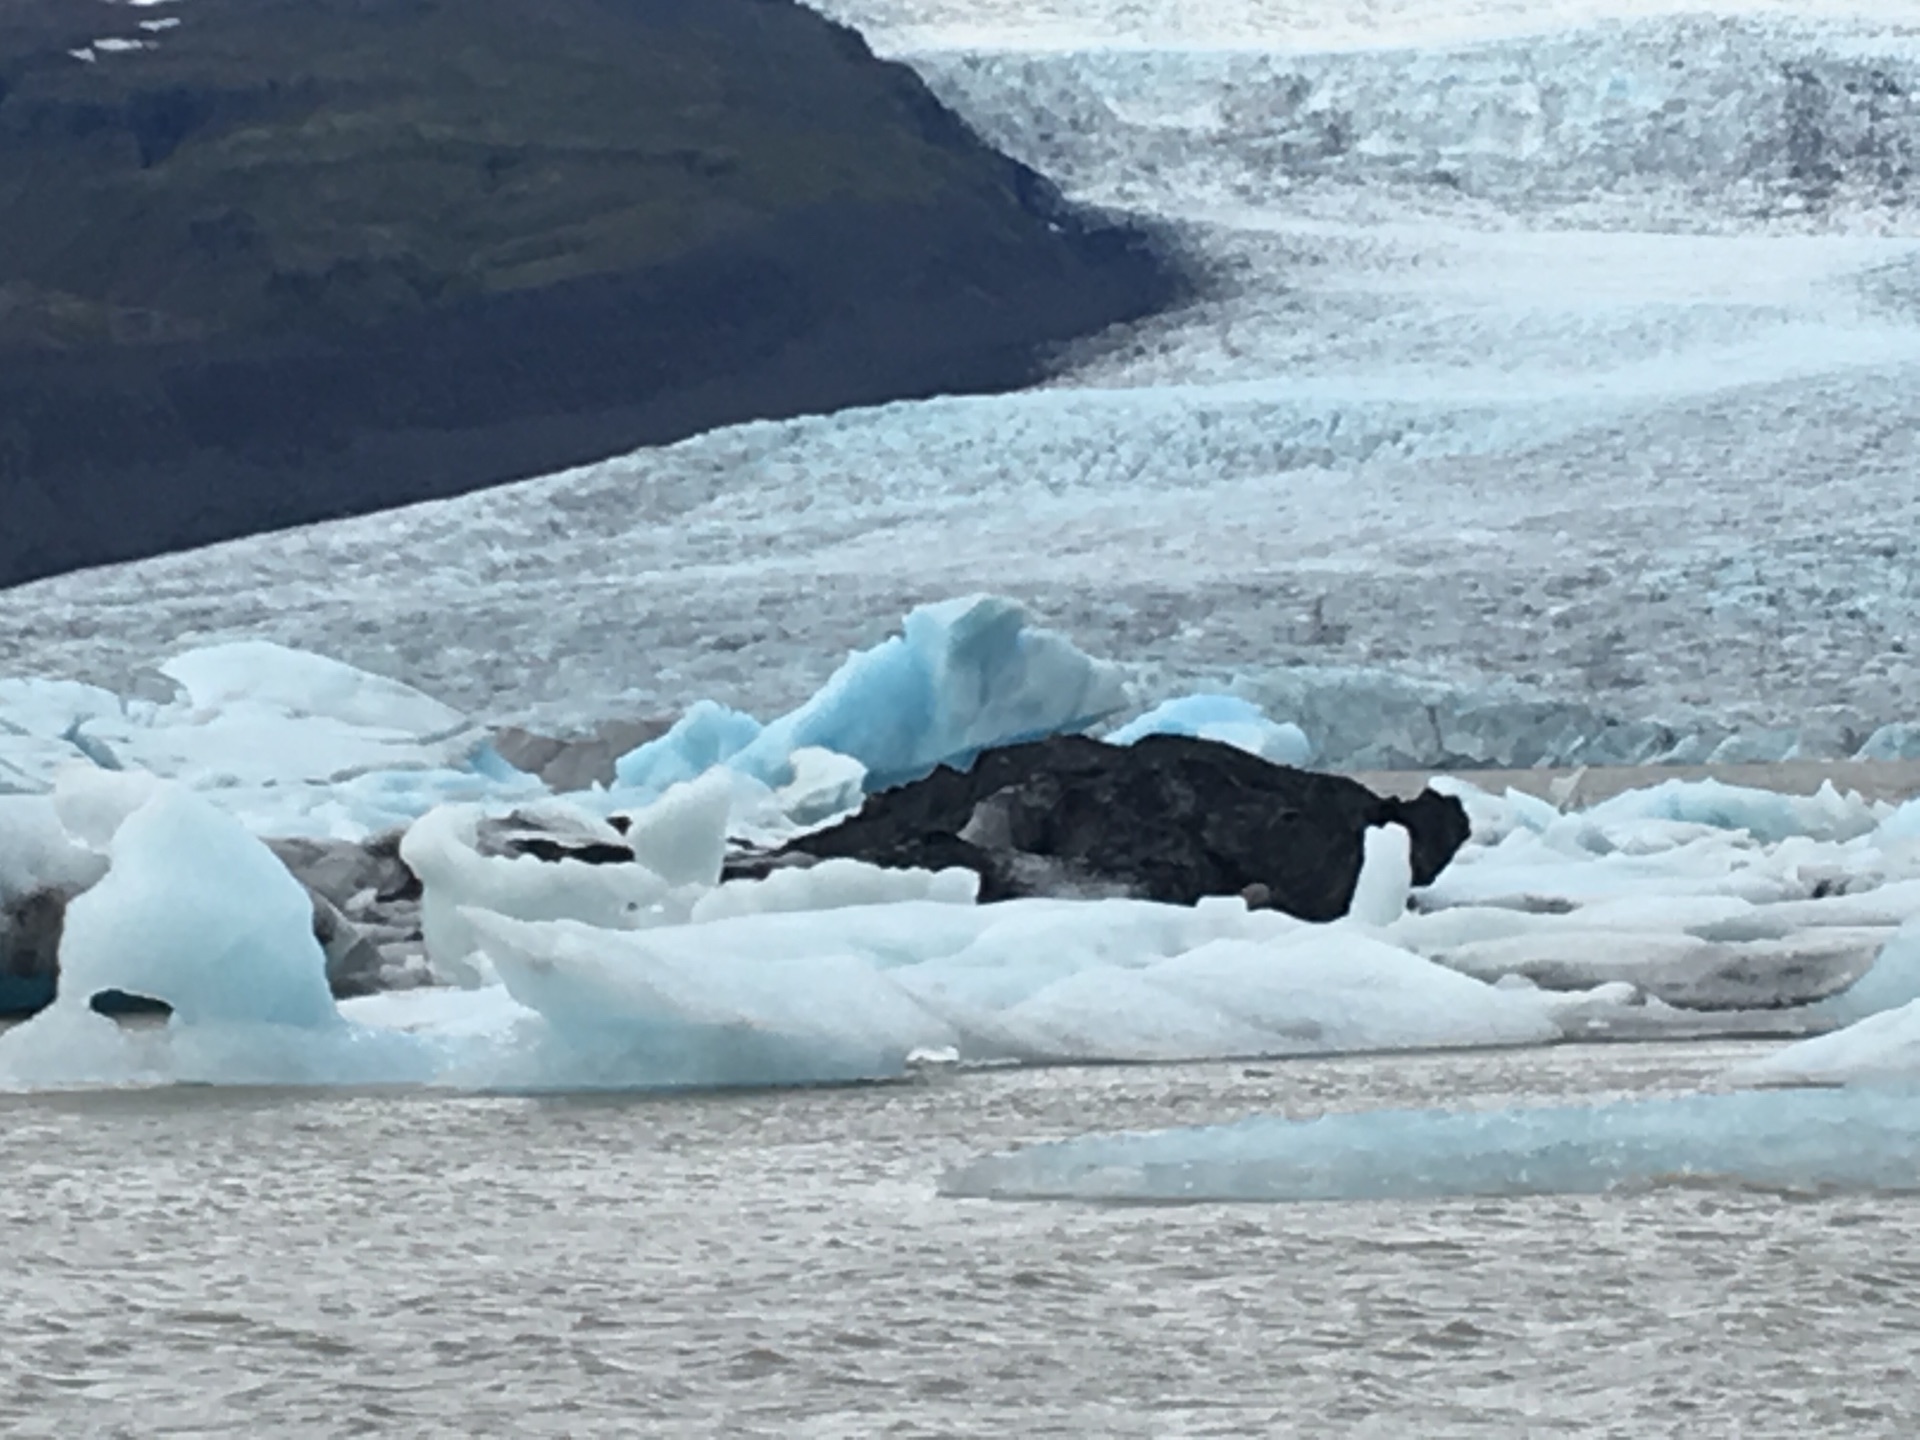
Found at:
<point>963,676</point>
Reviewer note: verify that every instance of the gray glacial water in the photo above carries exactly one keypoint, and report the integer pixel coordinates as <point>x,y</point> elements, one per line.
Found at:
<point>189,1262</point>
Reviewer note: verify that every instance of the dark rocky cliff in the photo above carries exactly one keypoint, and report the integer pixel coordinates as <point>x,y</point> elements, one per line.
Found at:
<point>298,259</point>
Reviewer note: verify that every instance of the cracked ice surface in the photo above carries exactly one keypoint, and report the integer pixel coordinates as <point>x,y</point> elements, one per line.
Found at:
<point>1584,361</point>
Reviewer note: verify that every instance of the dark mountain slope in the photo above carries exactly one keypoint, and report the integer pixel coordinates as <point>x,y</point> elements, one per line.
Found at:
<point>307,258</point>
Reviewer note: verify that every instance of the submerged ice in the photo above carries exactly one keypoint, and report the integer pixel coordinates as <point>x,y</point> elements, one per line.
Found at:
<point>1801,1141</point>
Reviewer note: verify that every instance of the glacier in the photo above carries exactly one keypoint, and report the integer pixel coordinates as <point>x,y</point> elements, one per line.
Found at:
<point>1524,346</point>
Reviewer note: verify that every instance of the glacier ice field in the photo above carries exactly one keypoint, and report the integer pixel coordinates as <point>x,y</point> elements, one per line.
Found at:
<point>1549,399</point>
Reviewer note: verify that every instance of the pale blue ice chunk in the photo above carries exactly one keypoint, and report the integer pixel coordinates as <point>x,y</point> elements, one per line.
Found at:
<point>1899,741</point>
<point>708,1019</point>
<point>1791,1140</point>
<point>1893,981</point>
<point>709,734</point>
<point>196,912</point>
<point>965,675</point>
<point>1226,718</point>
<point>1903,825</point>
<point>1882,1049</point>
<point>1767,815</point>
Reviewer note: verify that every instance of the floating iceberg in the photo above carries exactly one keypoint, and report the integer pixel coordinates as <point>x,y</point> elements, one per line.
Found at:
<point>1701,895</point>
<point>1767,815</point>
<point>292,743</point>
<point>962,676</point>
<point>1031,980</point>
<point>1891,983</point>
<point>444,850</point>
<point>1881,1039</point>
<point>709,734</point>
<point>645,971</point>
<point>195,912</point>
<point>1881,1049</point>
<point>1797,1140</point>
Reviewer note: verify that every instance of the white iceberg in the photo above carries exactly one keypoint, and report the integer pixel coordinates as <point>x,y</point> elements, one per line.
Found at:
<point>443,849</point>
<point>1033,981</point>
<point>292,743</point>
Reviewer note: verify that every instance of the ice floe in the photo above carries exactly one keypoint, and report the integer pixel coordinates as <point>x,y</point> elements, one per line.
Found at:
<point>619,974</point>
<point>1803,1141</point>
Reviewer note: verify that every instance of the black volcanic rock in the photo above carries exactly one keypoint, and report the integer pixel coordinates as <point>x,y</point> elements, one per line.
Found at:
<point>1167,818</point>
<point>297,259</point>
